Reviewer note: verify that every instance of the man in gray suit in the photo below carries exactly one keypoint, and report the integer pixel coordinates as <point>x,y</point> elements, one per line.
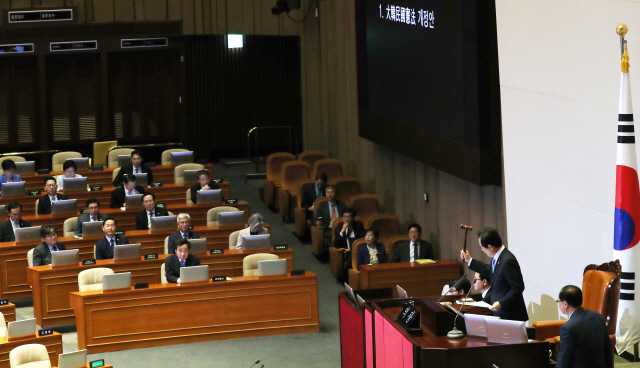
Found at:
<point>42,253</point>
<point>93,214</point>
<point>329,211</point>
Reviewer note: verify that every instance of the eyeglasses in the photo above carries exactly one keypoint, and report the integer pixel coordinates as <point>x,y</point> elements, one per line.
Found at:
<point>477,280</point>
<point>558,300</point>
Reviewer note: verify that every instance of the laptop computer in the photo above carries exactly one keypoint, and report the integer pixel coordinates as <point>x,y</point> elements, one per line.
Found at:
<point>198,246</point>
<point>74,184</point>
<point>21,329</point>
<point>194,273</point>
<point>350,292</point>
<point>133,201</point>
<point>3,210</point>
<point>124,160</point>
<point>82,163</point>
<point>163,223</point>
<point>25,167</point>
<point>141,179</point>
<point>231,218</point>
<point>14,189</point>
<point>272,268</point>
<point>75,359</point>
<point>190,176</point>
<point>209,196</point>
<point>65,258</point>
<point>64,206</point>
<point>127,252</point>
<point>116,281</point>
<point>256,241</point>
<point>178,158</point>
<point>360,301</point>
<point>402,293</point>
<point>504,331</point>
<point>25,234</point>
<point>475,324</point>
<point>92,228</point>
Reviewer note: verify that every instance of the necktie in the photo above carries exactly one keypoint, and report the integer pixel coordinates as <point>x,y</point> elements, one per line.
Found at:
<point>53,199</point>
<point>493,264</point>
<point>136,170</point>
<point>186,236</point>
<point>55,248</point>
<point>149,216</point>
<point>113,243</point>
<point>334,213</point>
<point>128,192</point>
<point>15,225</point>
<point>415,251</point>
<point>93,219</point>
<point>181,263</point>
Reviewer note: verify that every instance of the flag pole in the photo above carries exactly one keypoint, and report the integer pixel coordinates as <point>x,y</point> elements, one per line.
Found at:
<point>622,30</point>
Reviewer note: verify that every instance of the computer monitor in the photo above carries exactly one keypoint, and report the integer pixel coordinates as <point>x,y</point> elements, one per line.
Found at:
<point>194,274</point>
<point>17,188</point>
<point>3,210</point>
<point>127,252</point>
<point>256,241</point>
<point>198,246</point>
<point>272,267</point>
<point>116,281</point>
<point>504,331</point>
<point>64,206</point>
<point>133,200</point>
<point>21,329</point>
<point>163,223</point>
<point>402,293</point>
<point>75,359</point>
<point>178,158</point>
<point>475,324</point>
<point>350,292</point>
<point>65,258</point>
<point>209,196</point>
<point>124,160</point>
<point>74,184</point>
<point>82,163</point>
<point>26,234</point>
<point>92,228</point>
<point>25,167</point>
<point>142,179</point>
<point>231,218</point>
<point>190,176</point>
<point>360,301</point>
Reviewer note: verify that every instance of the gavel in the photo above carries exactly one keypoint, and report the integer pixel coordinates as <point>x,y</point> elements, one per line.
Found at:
<point>466,229</point>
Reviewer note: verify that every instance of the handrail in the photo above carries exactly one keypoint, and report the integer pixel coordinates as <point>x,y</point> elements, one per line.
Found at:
<point>171,144</point>
<point>27,153</point>
<point>255,129</point>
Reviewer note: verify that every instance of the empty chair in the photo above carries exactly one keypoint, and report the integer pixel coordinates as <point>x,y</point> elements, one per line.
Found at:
<point>387,225</point>
<point>311,157</point>
<point>299,213</point>
<point>163,274</point>
<point>393,243</point>
<point>30,257</point>
<point>91,279</point>
<point>112,157</point>
<point>29,356</point>
<point>274,179</point>
<point>58,159</point>
<point>3,326</point>
<point>233,239</point>
<point>189,201</point>
<point>69,226</point>
<point>366,205</point>
<point>292,173</point>
<point>212,214</point>
<point>101,150</point>
<point>329,166</point>
<point>335,254</point>
<point>14,158</point>
<point>354,274</point>
<point>114,174</point>
<point>347,188</point>
<point>250,262</point>
<point>178,172</point>
<point>166,155</point>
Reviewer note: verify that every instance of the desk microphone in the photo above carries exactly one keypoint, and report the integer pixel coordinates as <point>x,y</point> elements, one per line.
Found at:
<point>455,333</point>
<point>257,361</point>
<point>464,277</point>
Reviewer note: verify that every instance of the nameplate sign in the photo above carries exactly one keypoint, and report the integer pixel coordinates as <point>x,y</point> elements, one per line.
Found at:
<point>297,272</point>
<point>96,363</point>
<point>16,48</point>
<point>161,205</point>
<point>409,317</point>
<point>84,211</point>
<point>120,232</point>
<point>46,15</point>
<point>141,285</point>
<point>73,45</point>
<point>231,201</point>
<point>219,278</point>
<point>33,192</point>
<point>97,168</point>
<point>89,262</point>
<point>95,188</point>
<point>4,302</point>
<point>216,251</point>
<point>143,42</point>
<point>156,184</point>
<point>280,247</point>
<point>46,332</point>
<point>217,180</point>
<point>150,256</point>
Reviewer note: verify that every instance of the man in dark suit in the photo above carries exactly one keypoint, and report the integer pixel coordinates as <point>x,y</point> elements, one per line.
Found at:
<point>406,251</point>
<point>584,339</point>
<point>203,184</point>
<point>93,214</point>
<point>184,232</point>
<point>459,286</point>
<point>104,246</point>
<point>136,167</point>
<point>482,283</point>
<point>51,187</point>
<point>129,187</point>
<point>143,218</point>
<point>42,253</point>
<point>344,236</point>
<point>14,209</point>
<point>181,258</point>
<point>507,284</point>
<point>311,193</point>
<point>329,211</point>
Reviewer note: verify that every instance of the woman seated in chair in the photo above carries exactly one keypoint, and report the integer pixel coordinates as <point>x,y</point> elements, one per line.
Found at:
<point>255,228</point>
<point>374,252</point>
<point>9,168</point>
<point>69,167</point>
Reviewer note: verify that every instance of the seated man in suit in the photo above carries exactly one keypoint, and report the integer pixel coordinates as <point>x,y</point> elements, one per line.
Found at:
<point>69,168</point>
<point>203,184</point>
<point>482,283</point>
<point>310,194</point>
<point>181,258</point>
<point>104,246</point>
<point>373,252</point>
<point>93,214</point>
<point>129,187</point>
<point>184,232</point>
<point>44,204</point>
<point>462,288</point>
<point>406,251</point>
<point>8,166</point>
<point>584,340</point>
<point>329,211</point>
<point>344,236</point>
<point>15,221</point>
<point>136,167</point>
<point>42,253</point>
<point>143,218</point>
<point>255,228</point>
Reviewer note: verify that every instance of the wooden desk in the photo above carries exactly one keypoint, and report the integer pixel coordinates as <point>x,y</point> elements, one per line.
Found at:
<point>9,312</point>
<point>51,287</point>
<point>53,343</point>
<point>89,365</point>
<point>168,313</point>
<point>13,257</point>
<point>416,279</point>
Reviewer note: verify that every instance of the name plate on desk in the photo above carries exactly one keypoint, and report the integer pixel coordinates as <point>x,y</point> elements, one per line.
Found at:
<point>161,205</point>
<point>73,45</point>
<point>97,168</point>
<point>409,318</point>
<point>219,278</point>
<point>141,285</point>
<point>297,272</point>
<point>280,247</point>
<point>120,232</point>
<point>217,180</point>
<point>89,262</point>
<point>143,42</point>
<point>156,184</point>
<point>46,332</point>
<point>216,251</point>
<point>150,256</point>
<point>97,363</point>
<point>95,188</point>
<point>84,211</point>
<point>231,201</point>
<point>33,192</point>
<point>4,301</point>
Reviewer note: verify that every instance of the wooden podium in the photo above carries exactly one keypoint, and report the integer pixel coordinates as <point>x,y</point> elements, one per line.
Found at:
<point>417,279</point>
